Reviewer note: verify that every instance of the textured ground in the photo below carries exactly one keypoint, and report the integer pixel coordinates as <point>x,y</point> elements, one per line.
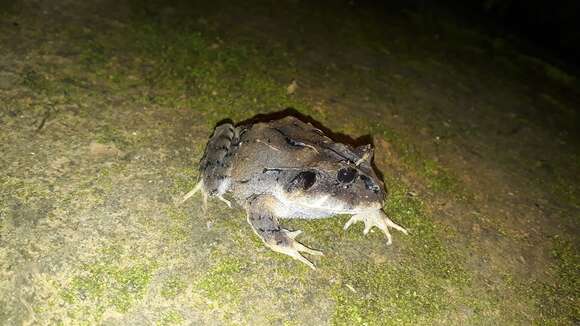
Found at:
<point>105,108</point>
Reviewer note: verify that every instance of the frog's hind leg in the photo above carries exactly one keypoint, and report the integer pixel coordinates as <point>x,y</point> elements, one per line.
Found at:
<point>265,225</point>
<point>216,163</point>
<point>198,187</point>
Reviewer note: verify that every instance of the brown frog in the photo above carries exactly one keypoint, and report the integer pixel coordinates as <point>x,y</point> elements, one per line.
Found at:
<point>289,169</point>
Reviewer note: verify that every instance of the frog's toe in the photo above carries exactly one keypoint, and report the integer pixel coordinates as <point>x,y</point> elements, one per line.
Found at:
<point>293,248</point>
<point>229,203</point>
<point>198,187</point>
<point>298,246</point>
<point>375,218</point>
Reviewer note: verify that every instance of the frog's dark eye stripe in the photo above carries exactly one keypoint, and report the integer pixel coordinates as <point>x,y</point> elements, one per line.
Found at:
<point>294,142</point>
<point>289,140</point>
<point>271,170</point>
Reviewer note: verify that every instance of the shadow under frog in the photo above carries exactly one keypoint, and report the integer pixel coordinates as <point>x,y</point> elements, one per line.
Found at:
<point>280,166</point>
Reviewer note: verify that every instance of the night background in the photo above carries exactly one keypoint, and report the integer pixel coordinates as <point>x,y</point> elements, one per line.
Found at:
<point>106,107</point>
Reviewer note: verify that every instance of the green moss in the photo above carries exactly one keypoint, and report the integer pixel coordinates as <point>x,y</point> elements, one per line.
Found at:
<point>437,178</point>
<point>82,287</point>
<point>559,300</point>
<point>22,189</point>
<point>179,227</point>
<point>7,8</point>
<point>414,289</point>
<point>94,54</point>
<point>567,190</point>
<point>440,180</point>
<point>426,239</point>
<point>218,80</point>
<point>106,134</point>
<point>173,287</point>
<point>171,318</point>
<point>185,179</point>
<point>387,295</point>
<point>220,283</point>
<point>558,75</point>
<point>131,283</point>
<point>108,285</point>
<point>111,253</point>
<point>34,80</point>
<point>94,189</point>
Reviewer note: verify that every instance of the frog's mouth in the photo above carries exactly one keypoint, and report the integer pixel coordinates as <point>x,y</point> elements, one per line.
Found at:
<point>350,193</point>
<point>328,204</point>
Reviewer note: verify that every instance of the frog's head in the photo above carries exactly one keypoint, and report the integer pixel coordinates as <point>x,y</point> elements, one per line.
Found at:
<point>342,180</point>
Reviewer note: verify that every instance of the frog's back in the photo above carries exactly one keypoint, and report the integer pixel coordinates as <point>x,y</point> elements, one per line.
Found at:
<point>270,147</point>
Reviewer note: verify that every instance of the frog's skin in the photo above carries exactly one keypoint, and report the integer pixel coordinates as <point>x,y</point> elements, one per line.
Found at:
<point>289,169</point>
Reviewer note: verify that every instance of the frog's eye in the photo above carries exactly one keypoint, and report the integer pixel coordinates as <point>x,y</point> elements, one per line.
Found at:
<point>303,180</point>
<point>346,175</point>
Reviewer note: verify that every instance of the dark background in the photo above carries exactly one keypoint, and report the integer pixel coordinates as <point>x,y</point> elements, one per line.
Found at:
<point>547,29</point>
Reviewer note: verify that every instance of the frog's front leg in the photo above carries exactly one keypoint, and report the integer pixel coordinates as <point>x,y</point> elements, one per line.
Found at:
<point>263,221</point>
<point>376,218</point>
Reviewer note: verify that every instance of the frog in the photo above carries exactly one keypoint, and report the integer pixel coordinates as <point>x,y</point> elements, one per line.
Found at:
<point>286,169</point>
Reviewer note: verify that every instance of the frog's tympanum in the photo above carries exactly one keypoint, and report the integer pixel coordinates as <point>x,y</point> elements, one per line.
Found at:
<point>289,169</point>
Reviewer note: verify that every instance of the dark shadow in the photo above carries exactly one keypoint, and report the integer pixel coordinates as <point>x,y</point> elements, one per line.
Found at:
<point>223,122</point>
<point>337,137</point>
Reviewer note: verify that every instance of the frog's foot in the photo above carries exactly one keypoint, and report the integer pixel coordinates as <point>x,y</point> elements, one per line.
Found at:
<point>286,244</point>
<point>266,226</point>
<point>198,187</point>
<point>375,218</point>
<point>229,203</point>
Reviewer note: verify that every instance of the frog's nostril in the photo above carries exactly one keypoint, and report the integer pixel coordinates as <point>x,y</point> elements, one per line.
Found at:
<point>369,184</point>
